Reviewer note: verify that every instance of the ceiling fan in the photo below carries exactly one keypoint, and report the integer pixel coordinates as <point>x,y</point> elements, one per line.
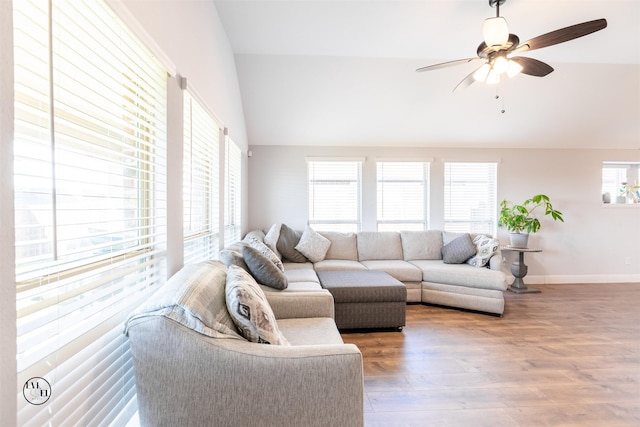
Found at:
<point>499,45</point>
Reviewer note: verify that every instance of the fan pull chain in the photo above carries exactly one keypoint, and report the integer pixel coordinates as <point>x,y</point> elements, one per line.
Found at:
<point>499,98</point>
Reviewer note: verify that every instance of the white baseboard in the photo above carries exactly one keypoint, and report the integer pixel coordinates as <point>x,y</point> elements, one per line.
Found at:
<point>586,278</point>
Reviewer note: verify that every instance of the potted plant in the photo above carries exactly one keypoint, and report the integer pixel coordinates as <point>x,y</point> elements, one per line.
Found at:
<point>520,220</point>
<point>629,192</point>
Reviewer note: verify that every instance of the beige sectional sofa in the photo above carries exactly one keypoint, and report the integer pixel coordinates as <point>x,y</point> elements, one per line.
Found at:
<point>192,367</point>
<point>412,257</point>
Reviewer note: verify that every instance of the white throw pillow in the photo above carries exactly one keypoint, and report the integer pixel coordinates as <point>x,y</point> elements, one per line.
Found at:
<point>313,245</point>
<point>249,309</point>
<point>486,247</point>
<point>271,238</point>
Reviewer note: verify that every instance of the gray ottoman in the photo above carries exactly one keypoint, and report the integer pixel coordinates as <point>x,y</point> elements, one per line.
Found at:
<point>366,299</point>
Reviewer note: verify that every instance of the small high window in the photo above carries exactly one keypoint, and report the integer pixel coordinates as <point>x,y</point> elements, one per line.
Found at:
<point>621,182</point>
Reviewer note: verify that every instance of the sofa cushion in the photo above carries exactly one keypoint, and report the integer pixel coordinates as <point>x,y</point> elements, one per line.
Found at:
<point>264,249</point>
<point>486,247</point>
<point>458,250</point>
<point>263,269</point>
<point>307,274</point>
<point>313,245</point>
<point>343,245</point>
<point>195,298</point>
<point>287,242</point>
<point>379,245</point>
<point>398,269</point>
<point>271,238</point>
<point>250,310</point>
<point>462,275</point>
<point>310,331</point>
<point>421,244</point>
<point>338,264</point>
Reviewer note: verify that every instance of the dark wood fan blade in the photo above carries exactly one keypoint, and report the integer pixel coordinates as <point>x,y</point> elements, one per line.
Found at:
<point>446,64</point>
<point>466,82</point>
<point>533,67</point>
<point>563,35</point>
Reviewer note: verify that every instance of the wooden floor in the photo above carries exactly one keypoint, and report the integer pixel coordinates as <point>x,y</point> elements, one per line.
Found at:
<point>569,356</point>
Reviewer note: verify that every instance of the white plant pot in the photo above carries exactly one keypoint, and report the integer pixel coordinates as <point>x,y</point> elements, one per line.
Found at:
<point>519,240</point>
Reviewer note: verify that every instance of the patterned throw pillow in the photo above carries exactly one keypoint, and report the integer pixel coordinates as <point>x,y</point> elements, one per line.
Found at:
<point>257,244</point>
<point>458,250</point>
<point>250,310</point>
<point>263,269</point>
<point>486,247</point>
<point>313,245</point>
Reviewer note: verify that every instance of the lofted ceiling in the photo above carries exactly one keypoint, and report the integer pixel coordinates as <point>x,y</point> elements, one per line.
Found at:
<point>337,72</point>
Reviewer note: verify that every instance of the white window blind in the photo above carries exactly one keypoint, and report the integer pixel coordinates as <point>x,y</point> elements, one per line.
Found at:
<point>402,195</point>
<point>334,194</point>
<point>233,192</point>
<point>90,207</point>
<point>200,182</point>
<point>470,203</point>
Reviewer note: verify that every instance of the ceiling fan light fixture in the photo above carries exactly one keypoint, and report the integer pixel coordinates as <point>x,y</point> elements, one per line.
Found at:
<point>481,73</point>
<point>493,77</point>
<point>513,68</point>
<point>495,31</point>
<point>500,64</point>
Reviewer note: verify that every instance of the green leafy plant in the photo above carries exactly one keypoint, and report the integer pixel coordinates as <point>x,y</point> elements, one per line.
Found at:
<point>521,218</point>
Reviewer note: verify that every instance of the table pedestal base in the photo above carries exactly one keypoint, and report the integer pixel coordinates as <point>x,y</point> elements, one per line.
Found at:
<point>519,270</point>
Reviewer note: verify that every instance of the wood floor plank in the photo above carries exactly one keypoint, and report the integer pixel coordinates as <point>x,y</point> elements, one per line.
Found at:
<point>569,356</point>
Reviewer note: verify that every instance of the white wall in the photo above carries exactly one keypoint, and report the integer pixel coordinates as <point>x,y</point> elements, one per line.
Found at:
<point>8,376</point>
<point>591,246</point>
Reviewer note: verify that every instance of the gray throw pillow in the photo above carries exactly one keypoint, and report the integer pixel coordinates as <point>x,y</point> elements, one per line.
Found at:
<point>458,250</point>
<point>233,257</point>
<point>264,249</point>
<point>263,269</point>
<point>287,242</point>
<point>249,309</point>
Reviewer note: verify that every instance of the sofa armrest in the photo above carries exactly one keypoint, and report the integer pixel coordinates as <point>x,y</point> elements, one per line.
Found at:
<point>184,378</point>
<point>300,304</point>
<point>495,262</point>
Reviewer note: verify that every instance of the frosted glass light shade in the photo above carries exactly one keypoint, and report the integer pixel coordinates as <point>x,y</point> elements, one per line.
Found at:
<point>481,73</point>
<point>493,78</point>
<point>495,31</point>
<point>513,68</point>
<point>500,64</point>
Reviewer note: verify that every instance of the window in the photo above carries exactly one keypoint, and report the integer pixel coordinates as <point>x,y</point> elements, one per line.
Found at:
<point>620,181</point>
<point>90,207</point>
<point>200,182</point>
<point>470,197</point>
<point>334,194</point>
<point>232,193</point>
<point>402,195</point>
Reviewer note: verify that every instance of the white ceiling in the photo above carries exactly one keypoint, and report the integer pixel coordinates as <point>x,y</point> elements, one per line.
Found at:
<point>340,72</point>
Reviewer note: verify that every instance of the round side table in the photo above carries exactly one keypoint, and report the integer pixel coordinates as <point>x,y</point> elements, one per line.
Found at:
<point>519,270</point>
